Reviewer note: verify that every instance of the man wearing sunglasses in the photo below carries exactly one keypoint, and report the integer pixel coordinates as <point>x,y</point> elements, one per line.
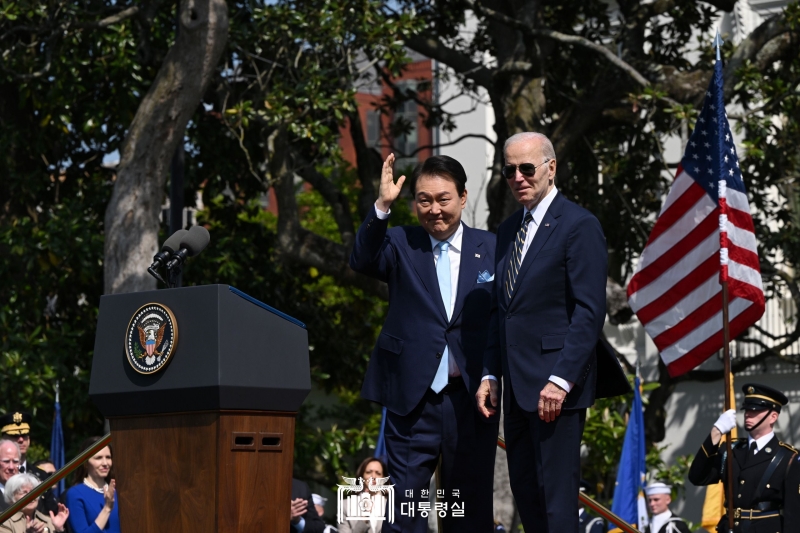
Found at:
<point>551,264</point>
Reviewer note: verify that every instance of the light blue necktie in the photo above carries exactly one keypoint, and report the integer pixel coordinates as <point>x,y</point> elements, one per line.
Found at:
<point>443,274</point>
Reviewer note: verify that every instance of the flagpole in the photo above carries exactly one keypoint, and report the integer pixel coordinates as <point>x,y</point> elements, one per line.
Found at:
<point>729,401</point>
<point>726,333</point>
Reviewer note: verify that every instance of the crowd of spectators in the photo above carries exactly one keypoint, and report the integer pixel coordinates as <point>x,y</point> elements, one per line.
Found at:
<point>88,506</point>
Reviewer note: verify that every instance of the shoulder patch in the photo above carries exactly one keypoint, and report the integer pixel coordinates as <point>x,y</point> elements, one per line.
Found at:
<point>789,446</point>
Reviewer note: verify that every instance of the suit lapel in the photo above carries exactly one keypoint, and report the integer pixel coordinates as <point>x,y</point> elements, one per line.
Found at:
<point>543,232</point>
<point>468,270</point>
<point>421,255</point>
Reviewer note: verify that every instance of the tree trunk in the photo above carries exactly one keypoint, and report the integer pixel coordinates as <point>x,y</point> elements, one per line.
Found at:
<point>132,215</point>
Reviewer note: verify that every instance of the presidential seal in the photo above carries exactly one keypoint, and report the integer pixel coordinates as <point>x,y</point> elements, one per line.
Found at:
<point>151,338</point>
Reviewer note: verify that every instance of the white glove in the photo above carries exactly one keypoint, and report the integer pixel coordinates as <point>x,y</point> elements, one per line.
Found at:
<point>726,421</point>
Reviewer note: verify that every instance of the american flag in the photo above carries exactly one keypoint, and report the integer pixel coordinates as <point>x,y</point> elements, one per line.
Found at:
<point>704,235</point>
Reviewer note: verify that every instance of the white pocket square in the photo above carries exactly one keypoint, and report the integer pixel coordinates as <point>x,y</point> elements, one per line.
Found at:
<point>485,277</point>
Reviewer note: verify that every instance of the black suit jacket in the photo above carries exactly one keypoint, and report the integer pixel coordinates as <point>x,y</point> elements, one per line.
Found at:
<point>416,330</point>
<point>314,523</point>
<point>552,322</point>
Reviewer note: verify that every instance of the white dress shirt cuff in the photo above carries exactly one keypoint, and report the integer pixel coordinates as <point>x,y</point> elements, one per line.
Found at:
<point>382,215</point>
<point>300,526</point>
<point>488,376</point>
<point>563,383</point>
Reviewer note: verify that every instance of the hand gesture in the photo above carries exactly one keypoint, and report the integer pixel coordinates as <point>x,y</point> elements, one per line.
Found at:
<point>108,494</point>
<point>389,190</point>
<point>488,388</point>
<point>61,518</point>
<point>299,508</point>
<point>550,400</point>
<point>33,526</point>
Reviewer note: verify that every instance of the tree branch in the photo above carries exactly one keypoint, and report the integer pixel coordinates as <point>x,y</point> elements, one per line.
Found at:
<point>454,59</point>
<point>340,206</point>
<point>562,38</point>
<point>749,48</point>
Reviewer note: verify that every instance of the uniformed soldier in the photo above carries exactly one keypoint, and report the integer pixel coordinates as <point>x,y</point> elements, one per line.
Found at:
<point>761,463</point>
<point>586,522</point>
<point>659,496</point>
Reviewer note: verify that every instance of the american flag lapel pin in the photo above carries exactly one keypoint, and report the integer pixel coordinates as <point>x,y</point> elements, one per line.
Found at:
<point>547,225</point>
<point>478,256</point>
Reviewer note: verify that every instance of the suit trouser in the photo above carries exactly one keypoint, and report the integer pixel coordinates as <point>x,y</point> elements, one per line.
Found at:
<point>445,424</point>
<point>544,467</point>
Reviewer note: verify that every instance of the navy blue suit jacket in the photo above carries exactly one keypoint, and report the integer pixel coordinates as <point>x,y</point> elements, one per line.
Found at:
<point>410,345</point>
<point>552,322</point>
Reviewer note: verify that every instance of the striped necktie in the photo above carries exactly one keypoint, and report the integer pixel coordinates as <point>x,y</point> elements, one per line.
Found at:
<point>516,255</point>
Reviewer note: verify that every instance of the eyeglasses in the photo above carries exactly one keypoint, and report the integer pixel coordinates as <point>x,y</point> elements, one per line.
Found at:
<point>526,169</point>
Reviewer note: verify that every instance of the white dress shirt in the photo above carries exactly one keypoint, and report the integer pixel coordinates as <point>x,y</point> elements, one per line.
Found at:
<point>536,219</point>
<point>761,442</point>
<point>454,254</point>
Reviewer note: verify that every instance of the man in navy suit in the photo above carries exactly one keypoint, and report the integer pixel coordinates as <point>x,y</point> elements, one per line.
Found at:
<point>551,301</point>
<point>428,361</point>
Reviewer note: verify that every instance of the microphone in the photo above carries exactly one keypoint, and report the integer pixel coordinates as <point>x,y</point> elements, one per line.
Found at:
<point>167,249</point>
<point>191,244</point>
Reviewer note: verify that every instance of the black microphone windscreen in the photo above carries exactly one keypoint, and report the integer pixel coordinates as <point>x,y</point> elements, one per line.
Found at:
<point>195,240</point>
<point>173,244</point>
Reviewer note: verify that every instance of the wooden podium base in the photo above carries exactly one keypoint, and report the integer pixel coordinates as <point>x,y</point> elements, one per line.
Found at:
<point>224,471</point>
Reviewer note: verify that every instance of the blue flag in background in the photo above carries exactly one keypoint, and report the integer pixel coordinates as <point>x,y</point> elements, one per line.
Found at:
<point>380,446</point>
<point>629,500</point>
<point>57,446</point>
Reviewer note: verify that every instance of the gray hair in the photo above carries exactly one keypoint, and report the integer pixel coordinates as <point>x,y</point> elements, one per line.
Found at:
<point>3,442</point>
<point>544,143</point>
<point>18,482</point>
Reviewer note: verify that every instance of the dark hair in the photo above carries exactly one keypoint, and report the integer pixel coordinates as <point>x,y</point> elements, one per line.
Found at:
<point>363,466</point>
<point>443,166</point>
<point>83,471</point>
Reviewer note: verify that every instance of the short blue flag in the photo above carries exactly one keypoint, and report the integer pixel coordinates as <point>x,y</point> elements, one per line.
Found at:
<point>380,446</point>
<point>629,500</point>
<point>57,447</point>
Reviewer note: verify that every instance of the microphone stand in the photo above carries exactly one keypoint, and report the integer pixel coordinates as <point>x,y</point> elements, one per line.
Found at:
<point>174,277</point>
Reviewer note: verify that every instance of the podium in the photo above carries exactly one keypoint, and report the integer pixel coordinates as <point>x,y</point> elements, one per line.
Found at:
<point>201,386</point>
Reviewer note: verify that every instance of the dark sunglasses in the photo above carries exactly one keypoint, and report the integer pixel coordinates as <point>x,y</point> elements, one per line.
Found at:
<point>526,169</point>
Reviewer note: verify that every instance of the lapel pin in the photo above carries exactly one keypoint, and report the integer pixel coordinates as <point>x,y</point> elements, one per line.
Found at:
<point>547,225</point>
<point>478,256</point>
<point>768,450</point>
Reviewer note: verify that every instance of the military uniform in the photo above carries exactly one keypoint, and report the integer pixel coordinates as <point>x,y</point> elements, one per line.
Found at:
<point>589,524</point>
<point>675,524</point>
<point>760,479</point>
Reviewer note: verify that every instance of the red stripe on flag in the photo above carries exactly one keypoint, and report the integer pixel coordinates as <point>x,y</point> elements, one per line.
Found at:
<point>680,290</point>
<point>743,256</point>
<point>679,208</point>
<point>713,344</point>
<point>690,323</point>
<point>741,219</point>
<point>676,253</point>
<point>740,289</point>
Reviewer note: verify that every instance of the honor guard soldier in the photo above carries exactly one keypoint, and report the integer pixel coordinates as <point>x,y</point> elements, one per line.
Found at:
<point>659,496</point>
<point>761,463</point>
